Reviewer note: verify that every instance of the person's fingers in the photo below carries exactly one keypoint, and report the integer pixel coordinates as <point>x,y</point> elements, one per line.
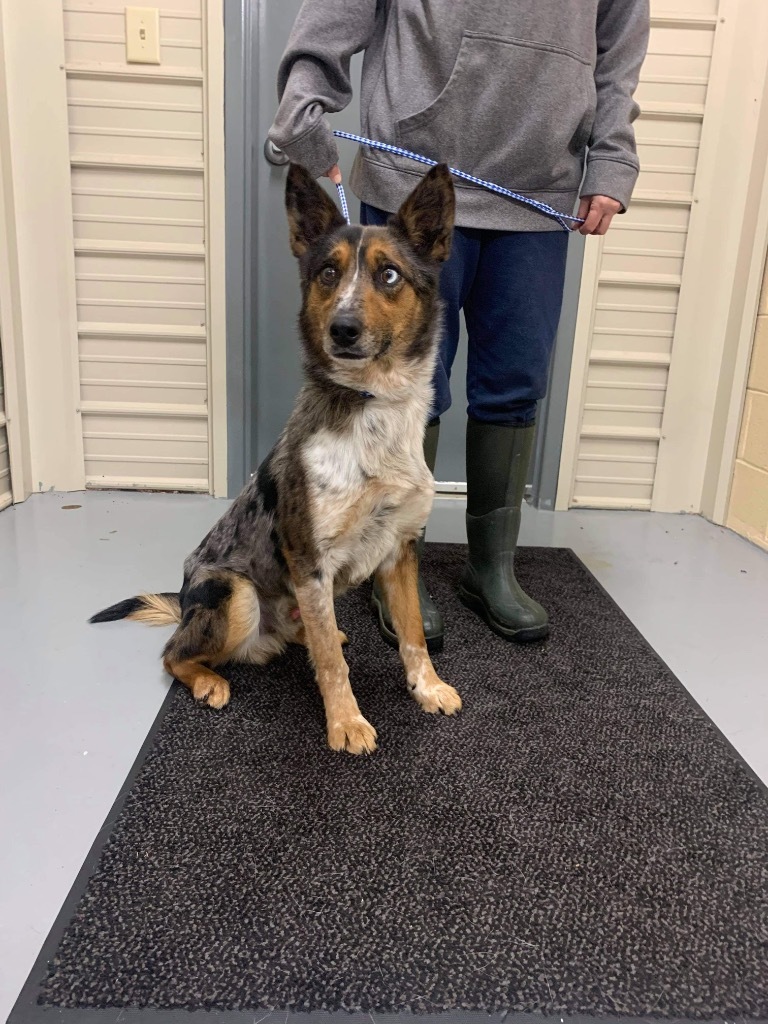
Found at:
<point>583,211</point>
<point>600,211</point>
<point>334,174</point>
<point>605,223</point>
<point>592,218</point>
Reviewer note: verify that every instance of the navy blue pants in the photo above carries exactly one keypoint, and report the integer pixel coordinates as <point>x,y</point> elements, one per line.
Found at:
<point>510,286</point>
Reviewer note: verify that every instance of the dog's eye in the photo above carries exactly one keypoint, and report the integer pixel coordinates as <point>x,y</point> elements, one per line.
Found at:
<point>390,276</point>
<point>329,275</point>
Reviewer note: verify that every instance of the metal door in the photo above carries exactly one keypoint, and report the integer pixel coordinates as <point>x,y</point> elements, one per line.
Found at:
<point>264,370</point>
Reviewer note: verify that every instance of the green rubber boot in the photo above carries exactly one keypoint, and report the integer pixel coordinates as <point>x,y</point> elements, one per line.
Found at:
<point>430,613</point>
<point>498,458</point>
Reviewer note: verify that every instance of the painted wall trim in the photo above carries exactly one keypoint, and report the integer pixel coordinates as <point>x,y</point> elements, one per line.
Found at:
<point>215,243</point>
<point>578,379</point>
<point>17,414</point>
<point>40,250</point>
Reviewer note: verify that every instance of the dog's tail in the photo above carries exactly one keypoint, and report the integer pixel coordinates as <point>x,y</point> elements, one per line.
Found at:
<point>154,609</point>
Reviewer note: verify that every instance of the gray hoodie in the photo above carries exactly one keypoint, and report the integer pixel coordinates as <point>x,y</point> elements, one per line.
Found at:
<point>520,92</point>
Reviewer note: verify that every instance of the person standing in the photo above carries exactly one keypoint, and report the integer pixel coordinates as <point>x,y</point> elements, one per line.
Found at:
<point>535,95</point>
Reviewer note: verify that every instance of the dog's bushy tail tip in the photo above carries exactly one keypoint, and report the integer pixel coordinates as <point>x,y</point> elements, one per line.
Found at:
<point>153,609</point>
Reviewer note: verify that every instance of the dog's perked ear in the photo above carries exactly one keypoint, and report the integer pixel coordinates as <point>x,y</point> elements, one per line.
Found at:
<point>426,217</point>
<point>311,212</point>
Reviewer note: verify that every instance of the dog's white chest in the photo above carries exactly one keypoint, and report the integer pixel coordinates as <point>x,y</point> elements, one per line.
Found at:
<point>369,490</point>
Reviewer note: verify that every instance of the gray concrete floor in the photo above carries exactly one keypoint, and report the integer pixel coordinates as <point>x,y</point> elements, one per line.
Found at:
<point>78,701</point>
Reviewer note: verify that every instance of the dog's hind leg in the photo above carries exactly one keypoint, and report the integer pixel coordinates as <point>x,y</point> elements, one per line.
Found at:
<point>398,579</point>
<point>206,685</point>
<point>220,615</point>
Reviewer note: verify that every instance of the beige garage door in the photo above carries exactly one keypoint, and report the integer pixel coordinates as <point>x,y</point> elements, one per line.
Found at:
<point>632,279</point>
<point>138,187</point>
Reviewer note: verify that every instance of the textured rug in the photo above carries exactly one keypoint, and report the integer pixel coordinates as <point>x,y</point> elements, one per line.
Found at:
<point>580,840</point>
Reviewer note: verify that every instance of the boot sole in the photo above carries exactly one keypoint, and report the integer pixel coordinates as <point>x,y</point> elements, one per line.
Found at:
<point>434,643</point>
<point>519,636</point>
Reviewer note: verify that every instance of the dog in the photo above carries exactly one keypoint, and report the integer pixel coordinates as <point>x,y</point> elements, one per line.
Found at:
<point>345,492</point>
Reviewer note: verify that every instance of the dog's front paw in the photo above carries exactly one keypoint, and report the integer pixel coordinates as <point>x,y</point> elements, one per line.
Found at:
<point>354,735</point>
<point>214,693</point>
<point>438,696</point>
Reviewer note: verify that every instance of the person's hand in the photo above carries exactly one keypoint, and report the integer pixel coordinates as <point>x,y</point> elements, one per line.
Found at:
<point>598,212</point>
<point>334,174</point>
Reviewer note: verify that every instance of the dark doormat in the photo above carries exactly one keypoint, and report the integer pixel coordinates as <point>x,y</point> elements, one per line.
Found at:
<point>581,840</point>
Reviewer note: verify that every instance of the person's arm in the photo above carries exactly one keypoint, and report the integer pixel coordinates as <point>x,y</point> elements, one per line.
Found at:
<point>313,78</point>
<point>612,164</point>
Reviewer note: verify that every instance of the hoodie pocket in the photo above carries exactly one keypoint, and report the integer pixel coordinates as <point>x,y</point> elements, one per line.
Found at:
<point>517,112</point>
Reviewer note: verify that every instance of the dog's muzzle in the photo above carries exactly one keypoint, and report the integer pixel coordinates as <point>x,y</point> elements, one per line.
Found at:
<point>346,333</point>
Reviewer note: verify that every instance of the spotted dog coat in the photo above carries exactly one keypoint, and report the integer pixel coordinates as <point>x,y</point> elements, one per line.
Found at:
<point>345,492</point>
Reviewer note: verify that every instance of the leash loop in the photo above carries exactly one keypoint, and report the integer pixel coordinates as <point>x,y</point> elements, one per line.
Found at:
<point>563,219</point>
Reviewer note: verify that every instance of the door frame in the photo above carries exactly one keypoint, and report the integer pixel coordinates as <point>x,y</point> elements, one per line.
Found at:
<point>40,350</point>
<point>241,146</point>
<point>15,418</point>
<point>215,243</point>
<point>550,430</point>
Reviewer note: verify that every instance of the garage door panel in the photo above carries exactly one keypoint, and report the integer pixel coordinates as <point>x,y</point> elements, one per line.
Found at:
<point>640,237</point>
<point>142,348</point>
<point>679,8</point>
<point>680,129</point>
<point>138,289</point>
<point>112,229</point>
<point>102,445</point>
<point>125,93</point>
<point>619,450</point>
<point>141,268</point>
<point>135,391</point>
<point>167,313</point>
<point>635,259</point>
<point>647,214</point>
<point>661,88</point>
<point>621,324</point>
<point>624,418</point>
<point>602,492</point>
<point>165,369</point>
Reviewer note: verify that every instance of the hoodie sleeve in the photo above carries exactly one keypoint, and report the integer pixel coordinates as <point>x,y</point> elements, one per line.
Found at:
<point>622,40</point>
<point>313,78</point>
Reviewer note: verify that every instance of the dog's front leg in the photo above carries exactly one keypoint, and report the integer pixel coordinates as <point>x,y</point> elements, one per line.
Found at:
<point>398,578</point>
<point>347,729</point>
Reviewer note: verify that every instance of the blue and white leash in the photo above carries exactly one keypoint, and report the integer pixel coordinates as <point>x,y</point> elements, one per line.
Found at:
<point>548,211</point>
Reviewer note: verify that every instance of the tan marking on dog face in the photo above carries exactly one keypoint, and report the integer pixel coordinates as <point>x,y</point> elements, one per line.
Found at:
<point>394,310</point>
<point>323,298</point>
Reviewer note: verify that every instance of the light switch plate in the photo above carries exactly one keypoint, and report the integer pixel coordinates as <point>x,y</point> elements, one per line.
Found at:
<point>142,35</point>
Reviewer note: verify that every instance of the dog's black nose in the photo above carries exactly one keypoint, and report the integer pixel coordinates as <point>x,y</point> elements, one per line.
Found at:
<point>346,330</point>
